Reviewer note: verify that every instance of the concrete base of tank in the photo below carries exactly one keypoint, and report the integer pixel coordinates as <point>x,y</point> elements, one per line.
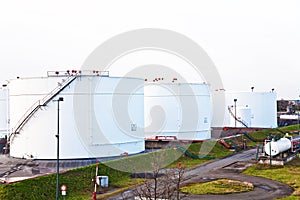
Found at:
<point>16,169</point>
<point>274,161</point>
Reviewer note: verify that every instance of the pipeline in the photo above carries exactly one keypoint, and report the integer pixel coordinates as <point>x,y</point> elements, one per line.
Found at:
<point>252,138</point>
<point>227,146</point>
<point>189,154</point>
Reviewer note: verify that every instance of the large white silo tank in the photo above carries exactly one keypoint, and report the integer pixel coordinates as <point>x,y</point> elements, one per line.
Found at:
<point>179,110</point>
<point>262,104</point>
<point>89,124</point>
<point>243,116</point>
<point>24,92</point>
<point>4,113</point>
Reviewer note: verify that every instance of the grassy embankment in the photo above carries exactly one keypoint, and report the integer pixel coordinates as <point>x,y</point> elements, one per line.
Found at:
<point>262,134</point>
<point>79,182</point>
<point>80,186</point>
<point>210,148</point>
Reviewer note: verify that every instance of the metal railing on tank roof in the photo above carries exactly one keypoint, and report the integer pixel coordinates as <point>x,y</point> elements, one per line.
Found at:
<point>77,73</point>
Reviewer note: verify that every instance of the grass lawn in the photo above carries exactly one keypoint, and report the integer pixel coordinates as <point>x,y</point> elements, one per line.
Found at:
<point>78,181</point>
<point>170,157</point>
<point>288,174</point>
<point>262,134</point>
<point>220,186</point>
<point>211,148</point>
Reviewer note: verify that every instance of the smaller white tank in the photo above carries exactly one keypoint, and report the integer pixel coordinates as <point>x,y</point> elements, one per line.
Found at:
<point>4,121</point>
<point>277,147</point>
<point>243,114</point>
<point>262,104</point>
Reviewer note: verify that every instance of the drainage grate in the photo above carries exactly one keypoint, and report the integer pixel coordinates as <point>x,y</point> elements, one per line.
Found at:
<point>265,187</point>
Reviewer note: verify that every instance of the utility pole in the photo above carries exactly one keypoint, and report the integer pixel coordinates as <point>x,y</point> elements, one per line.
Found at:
<point>235,100</point>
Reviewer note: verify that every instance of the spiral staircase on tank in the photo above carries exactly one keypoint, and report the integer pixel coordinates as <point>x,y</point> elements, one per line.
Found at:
<point>35,107</point>
<point>238,120</point>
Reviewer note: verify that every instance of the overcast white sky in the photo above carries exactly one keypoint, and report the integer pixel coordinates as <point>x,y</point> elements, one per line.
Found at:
<point>252,42</point>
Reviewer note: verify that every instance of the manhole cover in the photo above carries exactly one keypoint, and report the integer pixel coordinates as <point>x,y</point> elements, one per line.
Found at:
<point>265,187</point>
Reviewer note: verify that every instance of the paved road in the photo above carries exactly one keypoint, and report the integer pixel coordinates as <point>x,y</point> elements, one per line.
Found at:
<point>220,163</point>
<point>264,189</point>
<point>230,168</point>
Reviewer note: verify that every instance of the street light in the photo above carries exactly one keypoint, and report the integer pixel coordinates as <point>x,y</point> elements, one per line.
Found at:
<point>57,136</point>
<point>252,88</point>
<point>235,100</point>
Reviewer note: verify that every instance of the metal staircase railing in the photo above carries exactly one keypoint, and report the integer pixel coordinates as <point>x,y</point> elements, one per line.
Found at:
<point>239,120</point>
<point>42,102</point>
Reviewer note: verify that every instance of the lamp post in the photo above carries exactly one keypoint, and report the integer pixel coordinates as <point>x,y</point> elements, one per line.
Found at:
<point>57,136</point>
<point>235,100</point>
<point>7,132</point>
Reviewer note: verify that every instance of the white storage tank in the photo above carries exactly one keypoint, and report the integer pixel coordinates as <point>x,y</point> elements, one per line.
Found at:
<point>274,148</point>
<point>179,110</point>
<point>262,106</point>
<point>4,113</point>
<point>243,116</point>
<point>100,116</point>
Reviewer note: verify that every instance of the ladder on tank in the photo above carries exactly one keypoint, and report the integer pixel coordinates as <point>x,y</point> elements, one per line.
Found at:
<point>38,104</point>
<point>238,120</point>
